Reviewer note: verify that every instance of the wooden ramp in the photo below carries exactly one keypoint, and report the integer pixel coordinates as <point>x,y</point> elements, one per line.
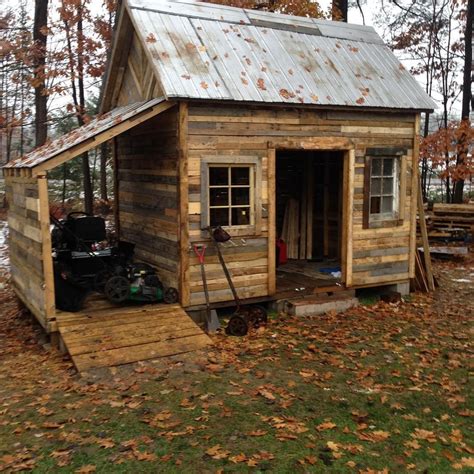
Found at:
<point>107,336</point>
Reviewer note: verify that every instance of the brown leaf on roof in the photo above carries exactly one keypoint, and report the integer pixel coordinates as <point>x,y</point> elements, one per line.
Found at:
<point>286,94</point>
<point>261,84</point>
<point>204,84</point>
<point>150,38</point>
<point>360,100</point>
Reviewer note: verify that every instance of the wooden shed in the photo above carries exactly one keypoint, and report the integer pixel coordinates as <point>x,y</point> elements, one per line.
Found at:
<point>287,131</point>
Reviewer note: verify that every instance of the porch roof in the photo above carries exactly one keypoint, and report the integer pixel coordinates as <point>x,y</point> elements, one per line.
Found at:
<point>82,139</point>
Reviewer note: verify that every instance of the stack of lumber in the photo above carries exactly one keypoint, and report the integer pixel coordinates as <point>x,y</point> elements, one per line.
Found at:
<point>421,277</point>
<point>291,228</point>
<point>451,221</point>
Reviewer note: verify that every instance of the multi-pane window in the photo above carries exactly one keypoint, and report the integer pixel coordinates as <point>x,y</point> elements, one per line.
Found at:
<point>231,195</point>
<point>384,185</point>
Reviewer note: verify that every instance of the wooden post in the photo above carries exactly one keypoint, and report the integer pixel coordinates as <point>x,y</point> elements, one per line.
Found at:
<point>349,198</point>
<point>309,205</point>
<point>271,176</point>
<point>424,239</point>
<point>47,258</point>
<point>183,227</point>
<point>115,162</point>
<point>414,194</point>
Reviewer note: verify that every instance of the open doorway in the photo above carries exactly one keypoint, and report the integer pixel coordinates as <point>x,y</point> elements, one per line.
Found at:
<point>309,210</point>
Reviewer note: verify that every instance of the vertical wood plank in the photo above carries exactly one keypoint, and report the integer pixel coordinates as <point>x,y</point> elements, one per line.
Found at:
<point>115,162</point>
<point>403,189</point>
<point>309,205</point>
<point>44,219</point>
<point>366,205</point>
<point>326,208</point>
<point>425,242</point>
<point>344,198</point>
<point>349,215</point>
<point>414,195</point>
<point>303,229</point>
<point>183,228</point>
<point>271,177</point>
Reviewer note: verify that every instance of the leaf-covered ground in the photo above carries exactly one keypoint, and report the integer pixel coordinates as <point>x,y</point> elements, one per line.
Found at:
<point>380,388</point>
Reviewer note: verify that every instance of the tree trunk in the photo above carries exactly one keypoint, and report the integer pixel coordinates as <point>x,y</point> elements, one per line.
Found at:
<point>103,171</point>
<point>40,39</point>
<point>424,162</point>
<point>87,184</point>
<point>339,10</point>
<point>466,98</point>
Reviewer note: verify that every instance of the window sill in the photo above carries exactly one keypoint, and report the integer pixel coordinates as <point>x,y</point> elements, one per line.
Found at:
<point>250,231</point>
<point>384,223</point>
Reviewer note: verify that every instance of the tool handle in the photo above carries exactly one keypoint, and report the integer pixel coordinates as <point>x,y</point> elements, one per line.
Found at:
<point>200,251</point>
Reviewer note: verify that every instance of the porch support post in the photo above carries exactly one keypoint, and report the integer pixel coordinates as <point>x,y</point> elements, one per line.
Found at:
<point>44,219</point>
<point>271,176</point>
<point>349,198</point>
<point>183,210</point>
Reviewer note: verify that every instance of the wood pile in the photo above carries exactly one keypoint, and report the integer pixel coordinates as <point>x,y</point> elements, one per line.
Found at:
<point>450,221</point>
<point>291,228</point>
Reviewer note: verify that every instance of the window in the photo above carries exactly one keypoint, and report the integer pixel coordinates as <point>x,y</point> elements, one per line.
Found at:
<point>230,195</point>
<point>384,187</point>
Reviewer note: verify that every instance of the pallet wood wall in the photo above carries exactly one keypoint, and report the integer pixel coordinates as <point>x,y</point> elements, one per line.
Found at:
<point>147,158</point>
<point>379,255</point>
<point>26,244</point>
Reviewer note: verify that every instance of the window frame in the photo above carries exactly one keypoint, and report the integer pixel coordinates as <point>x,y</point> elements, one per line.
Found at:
<point>255,208</point>
<point>396,217</point>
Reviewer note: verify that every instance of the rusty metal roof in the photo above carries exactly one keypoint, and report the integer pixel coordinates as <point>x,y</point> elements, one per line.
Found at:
<point>83,134</point>
<point>208,51</point>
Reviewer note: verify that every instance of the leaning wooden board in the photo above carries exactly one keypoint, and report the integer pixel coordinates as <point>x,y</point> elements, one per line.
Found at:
<point>117,336</point>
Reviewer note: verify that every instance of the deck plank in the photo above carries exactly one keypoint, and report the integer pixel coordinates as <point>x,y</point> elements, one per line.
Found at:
<point>149,351</point>
<point>110,336</point>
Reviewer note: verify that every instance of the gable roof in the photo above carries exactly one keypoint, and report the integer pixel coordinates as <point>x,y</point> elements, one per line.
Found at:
<point>213,52</point>
<point>102,128</point>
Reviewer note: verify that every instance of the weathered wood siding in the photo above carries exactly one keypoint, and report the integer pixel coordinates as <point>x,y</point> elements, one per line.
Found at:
<point>139,81</point>
<point>25,244</point>
<point>380,255</point>
<point>148,192</point>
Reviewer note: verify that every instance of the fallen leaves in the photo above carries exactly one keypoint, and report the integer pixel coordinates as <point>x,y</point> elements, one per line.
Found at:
<point>217,452</point>
<point>426,435</point>
<point>327,425</point>
<point>374,436</point>
<point>86,469</point>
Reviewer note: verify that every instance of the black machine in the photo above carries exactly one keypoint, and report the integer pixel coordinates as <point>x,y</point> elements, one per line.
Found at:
<point>85,261</point>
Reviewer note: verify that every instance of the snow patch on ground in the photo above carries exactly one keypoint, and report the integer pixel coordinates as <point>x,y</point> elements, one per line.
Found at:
<point>4,260</point>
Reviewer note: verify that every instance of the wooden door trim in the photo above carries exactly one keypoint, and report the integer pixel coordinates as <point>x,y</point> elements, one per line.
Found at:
<point>313,144</point>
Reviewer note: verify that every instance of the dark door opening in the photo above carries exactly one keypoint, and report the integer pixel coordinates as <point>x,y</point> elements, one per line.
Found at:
<point>309,190</point>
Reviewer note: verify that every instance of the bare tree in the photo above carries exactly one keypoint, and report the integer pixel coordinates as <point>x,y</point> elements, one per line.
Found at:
<point>466,95</point>
<point>339,10</point>
<point>39,56</point>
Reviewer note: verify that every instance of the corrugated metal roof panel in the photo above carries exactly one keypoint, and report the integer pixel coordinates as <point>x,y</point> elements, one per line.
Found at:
<point>300,60</point>
<point>82,134</point>
<point>192,9</point>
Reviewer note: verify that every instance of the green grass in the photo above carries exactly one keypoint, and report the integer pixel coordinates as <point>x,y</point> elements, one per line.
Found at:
<point>377,374</point>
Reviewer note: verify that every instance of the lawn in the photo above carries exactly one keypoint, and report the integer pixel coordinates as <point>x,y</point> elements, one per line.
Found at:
<point>380,388</point>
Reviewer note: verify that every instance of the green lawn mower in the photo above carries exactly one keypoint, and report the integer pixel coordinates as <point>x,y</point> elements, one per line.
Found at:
<point>138,282</point>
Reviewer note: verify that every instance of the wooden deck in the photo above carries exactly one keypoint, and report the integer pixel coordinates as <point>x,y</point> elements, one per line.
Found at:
<point>103,335</point>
